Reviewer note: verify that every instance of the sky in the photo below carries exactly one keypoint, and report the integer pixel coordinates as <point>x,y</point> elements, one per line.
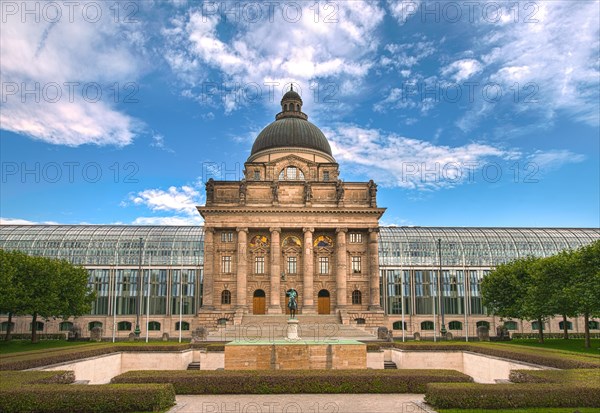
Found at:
<point>465,113</point>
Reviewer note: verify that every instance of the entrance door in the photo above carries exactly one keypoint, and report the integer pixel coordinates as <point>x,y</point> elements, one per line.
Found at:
<point>258,302</point>
<point>287,299</point>
<point>323,300</point>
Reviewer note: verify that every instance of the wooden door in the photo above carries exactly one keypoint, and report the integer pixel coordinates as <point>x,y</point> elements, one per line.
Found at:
<point>258,302</point>
<point>323,302</point>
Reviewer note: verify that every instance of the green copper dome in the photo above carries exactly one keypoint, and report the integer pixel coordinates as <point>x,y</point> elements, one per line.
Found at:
<point>291,132</point>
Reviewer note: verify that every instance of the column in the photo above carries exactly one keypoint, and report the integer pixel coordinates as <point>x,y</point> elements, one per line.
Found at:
<point>341,268</point>
<point>275,306</point>
<point>374,270</point>
<point>308,306</point>
<point>242,268</point>
<point>209,269</point>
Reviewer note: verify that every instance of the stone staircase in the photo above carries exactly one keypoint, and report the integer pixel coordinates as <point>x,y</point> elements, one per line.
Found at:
<point>389,365</point>
<point>274,327</point>
<point>194,365</point>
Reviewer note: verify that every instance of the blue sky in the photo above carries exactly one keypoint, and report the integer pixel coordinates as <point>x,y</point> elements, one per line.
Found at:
<point>464,113</point>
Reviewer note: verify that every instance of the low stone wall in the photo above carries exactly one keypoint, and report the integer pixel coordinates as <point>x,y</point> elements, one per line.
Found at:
<point>375,360</point>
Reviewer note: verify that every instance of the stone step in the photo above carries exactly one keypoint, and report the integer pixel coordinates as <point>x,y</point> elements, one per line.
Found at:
<point>389,365</point>
<point>195,365</point>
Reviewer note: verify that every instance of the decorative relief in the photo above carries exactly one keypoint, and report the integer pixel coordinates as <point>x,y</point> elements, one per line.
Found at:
<point>258,241</point>
<point>291,241</point>
<point>323,241</point>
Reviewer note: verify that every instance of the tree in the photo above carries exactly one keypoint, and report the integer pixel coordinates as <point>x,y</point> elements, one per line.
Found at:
<point>11,290</point>
<point>45,288</point>
<point>584,290</point>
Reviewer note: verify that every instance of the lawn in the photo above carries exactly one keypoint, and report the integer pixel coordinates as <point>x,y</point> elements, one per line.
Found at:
<point>527,410</point>
<point>573,344</point>
<point>18,346</point>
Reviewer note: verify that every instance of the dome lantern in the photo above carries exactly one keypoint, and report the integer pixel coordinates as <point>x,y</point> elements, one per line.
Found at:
<point>291,106</point>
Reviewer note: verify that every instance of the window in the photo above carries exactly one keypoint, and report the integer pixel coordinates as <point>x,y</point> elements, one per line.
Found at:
<point>226,297</point>
<point>222,322</point>
<point>323,265</point>
<point>66,326</point>
<point>511,325</point>
<point>355,238</point>
<point>326,175</point>
<point>360,321</point>
<point>455,325</point>
<point>356,297</point>
<point>535,327</point>
<point>569,325</point>
<point>185,326</point>
<point>226,264</point>
<point>356,264</point>
<point>93,324</point>
<point>226,236</point>
<point>153,326</point>
<point>398,325</point>
<point>259,265</point>
<point>427,325</point>
<point>124,326</point>
<point>594,325</point>
<point>257,175</point>
<point>292,265</point>
<point>483,324</point>
<point>4,326</point>
<point>291,173</point>
<point>39,326</point>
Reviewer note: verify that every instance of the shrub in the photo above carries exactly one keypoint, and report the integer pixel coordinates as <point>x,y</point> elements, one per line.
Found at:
<point>24,392</point>
<point>296,381</point>
<point>580,376</point>
<point>534,335</point>
<point>510,396</point>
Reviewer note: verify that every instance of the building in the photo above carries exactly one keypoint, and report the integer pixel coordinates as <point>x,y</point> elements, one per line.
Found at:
<point>289,224</point>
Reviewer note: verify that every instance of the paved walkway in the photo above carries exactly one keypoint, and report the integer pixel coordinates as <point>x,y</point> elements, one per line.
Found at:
<point>301,403</point>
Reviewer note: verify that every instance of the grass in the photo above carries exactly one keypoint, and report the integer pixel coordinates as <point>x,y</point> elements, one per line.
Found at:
<point>18,346</point>
<point>576,345</point>
<point>526,410</point>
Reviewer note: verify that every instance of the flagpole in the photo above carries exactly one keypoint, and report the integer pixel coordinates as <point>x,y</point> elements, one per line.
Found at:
<point>402,302</point>
<point>148,298</point>
<point>115,293</point>
<point>180,300</point>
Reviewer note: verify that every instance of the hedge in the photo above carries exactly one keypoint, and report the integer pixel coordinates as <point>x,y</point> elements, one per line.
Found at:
<point>295,381</point>
<point>585,377</point>
<point>510,396</point>
<point>551,335</point>
<point>25,392</point>
<point>40,336</point>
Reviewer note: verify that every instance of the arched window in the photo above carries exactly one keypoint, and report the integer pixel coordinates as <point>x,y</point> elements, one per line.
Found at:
<point>93,324</point>
<point>455,325</point>
<point>153,326</point>
<point>398,325</point>
<point>561,325</point>
<point>483,324</point>
<point>66,326</point>
<point>356,297</point>
<point>534,326</point>
<point>291,173</point>
<point>39,326</point>
<point>4,326</point>
<point>594,325</point>
<point>511,325</point>
<point>427,325</point>
<point>360,321</point>
<point>124,326</point>
<point>222,322</point>
<point>185,326</point>
<point>226,297</point>
<point>297,107</point>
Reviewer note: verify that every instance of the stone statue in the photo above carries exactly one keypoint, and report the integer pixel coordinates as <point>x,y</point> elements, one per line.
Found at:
<point>292,303</point>
<point>210,190</point>
<point>243,189</point>
<point>275,191</point>
<point>307,192</point>
<point>339,190</point>
<point>372,193</point>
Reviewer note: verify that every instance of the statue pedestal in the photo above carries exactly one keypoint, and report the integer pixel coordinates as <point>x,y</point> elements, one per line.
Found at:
<point>292,330</point>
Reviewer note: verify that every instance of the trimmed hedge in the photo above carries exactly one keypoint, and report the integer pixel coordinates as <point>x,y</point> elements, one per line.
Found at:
<point>510,396</point>
<point>551,335</point>
<point>589,377</point>
<point>296,381</point>
<point>40,336</point>
<point>24,392</point>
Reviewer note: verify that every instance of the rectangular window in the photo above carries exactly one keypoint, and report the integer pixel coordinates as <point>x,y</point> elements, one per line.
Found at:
<point>356,267</point>
<point>323,265</point>
<point>226,236</point>
<point>355,238</point>
<point>291,173</point>
<point>259,265</point>
<point>226,264</point>
<point>257,175</point>
<point>326,175</point>
<point>292,266</point>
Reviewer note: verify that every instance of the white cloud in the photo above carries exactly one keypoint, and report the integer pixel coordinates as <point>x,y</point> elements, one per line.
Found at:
<point>554,159</point>
<point>462,70</point>
<point>68,63</point>
<point>176,220</point>
<point>410,163</point>
<point>182,199</point>
<point>279,51</point>
<point>402,11</point>
<point>19,221</point>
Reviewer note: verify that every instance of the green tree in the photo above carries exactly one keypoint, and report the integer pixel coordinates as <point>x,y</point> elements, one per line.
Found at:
<point>11,290</point>
<point>584,290</point>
